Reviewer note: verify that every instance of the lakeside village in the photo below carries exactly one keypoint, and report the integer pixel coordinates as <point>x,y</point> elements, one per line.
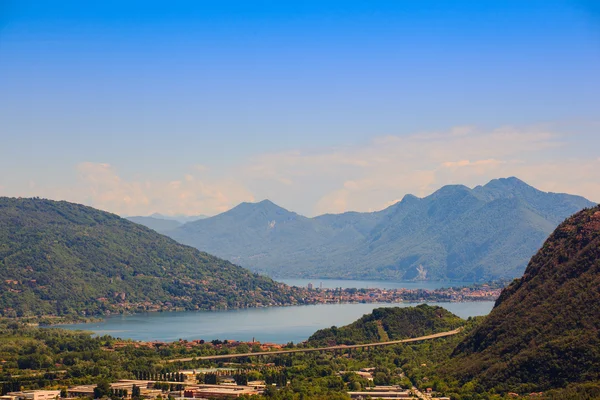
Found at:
<point>484,292</point>
<point>311,296</point>
<point>318,295</point>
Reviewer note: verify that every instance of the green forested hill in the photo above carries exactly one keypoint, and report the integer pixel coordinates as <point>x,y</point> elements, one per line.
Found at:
<point>63,258</point>
<point>390,323</point>
<point>544,330</point>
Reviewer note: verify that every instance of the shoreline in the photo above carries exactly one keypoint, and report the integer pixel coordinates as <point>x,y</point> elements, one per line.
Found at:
<point>317,296</point>
<point>102,318</point>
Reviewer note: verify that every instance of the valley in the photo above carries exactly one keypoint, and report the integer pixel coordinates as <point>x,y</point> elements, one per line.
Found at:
<point>424,351</point>
<point>299,200</point>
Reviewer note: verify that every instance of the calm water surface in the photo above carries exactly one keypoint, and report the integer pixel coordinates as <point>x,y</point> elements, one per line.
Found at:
<point>274,324</point>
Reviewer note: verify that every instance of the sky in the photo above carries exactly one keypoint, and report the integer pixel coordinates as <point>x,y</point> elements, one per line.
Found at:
<point>191,107</point>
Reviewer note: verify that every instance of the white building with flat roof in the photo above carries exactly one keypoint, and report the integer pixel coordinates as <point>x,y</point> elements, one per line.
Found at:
<point>35,395</point>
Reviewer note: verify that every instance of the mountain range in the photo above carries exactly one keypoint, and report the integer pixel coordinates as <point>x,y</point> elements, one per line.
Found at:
<point>456,233</point>
<point>60,258</point>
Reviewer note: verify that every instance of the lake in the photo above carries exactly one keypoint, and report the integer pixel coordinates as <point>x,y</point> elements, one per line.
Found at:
<point>273,324</point>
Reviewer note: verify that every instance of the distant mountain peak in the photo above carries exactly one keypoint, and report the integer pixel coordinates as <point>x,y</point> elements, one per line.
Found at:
<point>510,182</point>
<point>157,215</point>
<point>263,206</point>
<point>267,203</point>
<point>409,198</point>
<point>449,191</point>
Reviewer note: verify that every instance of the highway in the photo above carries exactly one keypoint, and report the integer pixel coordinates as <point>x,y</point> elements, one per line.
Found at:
<point>313,349</point>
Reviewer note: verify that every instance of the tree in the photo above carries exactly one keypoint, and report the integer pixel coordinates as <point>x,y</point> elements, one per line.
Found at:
<point>241,379</point>
<point>102,389</point>
<point>210,379</point>
<point>242,348</point>
<point>135,392</point>
<point>270,391</point>
<point>381,378</point>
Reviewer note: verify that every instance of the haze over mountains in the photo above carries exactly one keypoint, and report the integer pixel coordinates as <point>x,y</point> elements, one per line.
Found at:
<point>162,223</point>
<point>456,233</point>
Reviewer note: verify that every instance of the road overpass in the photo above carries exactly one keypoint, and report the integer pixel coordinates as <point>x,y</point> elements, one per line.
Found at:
<point>314,349</point>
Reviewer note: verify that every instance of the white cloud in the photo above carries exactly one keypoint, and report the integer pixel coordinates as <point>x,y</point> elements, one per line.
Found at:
<point>468,163</point>
<point>372,175</point>
<point>100,186</point>
<point>363,177</point>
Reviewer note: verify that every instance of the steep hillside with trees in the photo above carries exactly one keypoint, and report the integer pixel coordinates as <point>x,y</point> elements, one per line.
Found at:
<point>544,329</point>
<point>63,258</point>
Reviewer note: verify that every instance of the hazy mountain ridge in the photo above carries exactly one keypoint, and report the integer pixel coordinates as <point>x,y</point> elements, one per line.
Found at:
<point>164,223</point>
<point>181,218</point>
<point>63,258</point>
<point>158,224</point>
<point>458,233</point>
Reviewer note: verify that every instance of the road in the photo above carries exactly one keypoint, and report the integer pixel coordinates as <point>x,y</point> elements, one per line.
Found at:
<point>313,349</point>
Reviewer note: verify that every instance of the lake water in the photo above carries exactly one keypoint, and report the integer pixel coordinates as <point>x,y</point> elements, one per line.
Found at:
<point>361,284</point>
<point>274,324</point>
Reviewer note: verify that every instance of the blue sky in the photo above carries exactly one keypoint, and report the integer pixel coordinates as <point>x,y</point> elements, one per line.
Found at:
<point>193,106</point>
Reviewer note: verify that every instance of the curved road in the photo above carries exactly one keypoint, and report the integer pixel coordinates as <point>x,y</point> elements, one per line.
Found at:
<point>312,349</point>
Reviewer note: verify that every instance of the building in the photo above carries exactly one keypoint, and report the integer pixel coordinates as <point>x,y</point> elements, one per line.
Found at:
<point>258,385</point>
<point>372,394</point>
<point>218,392</point>
<point>81,391</point>
<point>310,286</point>
<point>125,384</point>
<point>382,392</point>
<point>33,395</point>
